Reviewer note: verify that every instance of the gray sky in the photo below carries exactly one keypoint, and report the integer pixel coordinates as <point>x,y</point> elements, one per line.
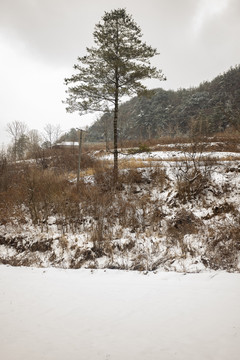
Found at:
<point>41,39</point>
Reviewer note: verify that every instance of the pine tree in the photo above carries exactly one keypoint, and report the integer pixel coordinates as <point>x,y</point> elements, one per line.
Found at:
<point>111,70</point>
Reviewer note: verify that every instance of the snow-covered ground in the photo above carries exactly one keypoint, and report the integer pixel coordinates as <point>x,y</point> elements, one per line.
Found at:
<point>164,222</point>
<point>56,314</point>
<point>172,155</point>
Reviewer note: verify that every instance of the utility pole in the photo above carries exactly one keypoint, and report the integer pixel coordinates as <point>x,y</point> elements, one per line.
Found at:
<point>79,153</point>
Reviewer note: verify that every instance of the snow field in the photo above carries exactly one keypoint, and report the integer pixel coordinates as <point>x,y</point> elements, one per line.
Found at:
<point>56,314</point>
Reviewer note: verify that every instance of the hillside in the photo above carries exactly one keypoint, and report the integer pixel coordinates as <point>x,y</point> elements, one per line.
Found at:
<point>172,210</point>
<point>209,108</point>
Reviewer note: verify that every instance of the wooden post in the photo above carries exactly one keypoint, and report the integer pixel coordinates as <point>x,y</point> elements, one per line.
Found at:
<point>79,155</point>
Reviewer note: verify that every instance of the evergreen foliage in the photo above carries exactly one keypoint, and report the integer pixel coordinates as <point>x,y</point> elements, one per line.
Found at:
<point>209,108</point>
<point>71,135</point>
<point>112,69</point>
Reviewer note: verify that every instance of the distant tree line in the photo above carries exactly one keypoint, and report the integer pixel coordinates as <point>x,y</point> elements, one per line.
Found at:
<point>209,108</point>
<point>28,143</point>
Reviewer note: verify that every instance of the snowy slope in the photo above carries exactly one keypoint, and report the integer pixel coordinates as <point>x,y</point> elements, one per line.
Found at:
<point>160,220</point>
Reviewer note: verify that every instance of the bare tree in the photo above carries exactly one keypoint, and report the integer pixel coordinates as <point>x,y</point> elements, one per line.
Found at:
<point>17,130</point>
<point>51,134</point>
<point>34,142</point>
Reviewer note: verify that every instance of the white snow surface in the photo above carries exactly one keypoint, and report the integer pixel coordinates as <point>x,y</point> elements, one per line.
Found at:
<point>56,314</point>
<point>167,155</point>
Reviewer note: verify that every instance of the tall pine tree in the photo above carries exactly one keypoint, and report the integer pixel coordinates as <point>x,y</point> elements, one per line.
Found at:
<point>112,69</point>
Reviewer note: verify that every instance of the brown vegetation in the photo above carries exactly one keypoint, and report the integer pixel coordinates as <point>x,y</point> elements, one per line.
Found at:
<point>105,213</point>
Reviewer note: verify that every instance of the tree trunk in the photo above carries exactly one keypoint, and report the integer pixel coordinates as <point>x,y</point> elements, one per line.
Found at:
<point>115,126</point>
<point>115,139</point>
<point>106,134</point>
<point>79,157</point>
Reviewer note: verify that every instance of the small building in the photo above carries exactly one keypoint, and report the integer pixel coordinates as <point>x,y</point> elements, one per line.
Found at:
<point>66,145</point>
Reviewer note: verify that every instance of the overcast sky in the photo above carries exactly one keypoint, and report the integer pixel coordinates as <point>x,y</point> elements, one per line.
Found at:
<point>41,39</point>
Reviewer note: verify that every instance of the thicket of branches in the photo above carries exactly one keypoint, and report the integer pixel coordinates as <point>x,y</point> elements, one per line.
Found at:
<point>27,143</point>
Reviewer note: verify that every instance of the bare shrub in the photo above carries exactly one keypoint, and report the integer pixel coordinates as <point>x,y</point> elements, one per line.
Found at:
<point>63,242</point>
<point>183,223</point>
<point>223,247</point>
<point>67,159</point>
<point>132,176</point>
<point>129,214</point>
<point>41,190</point>
<point>4,172</point>
<point>193,174</point>
<point>224,208</point>
<point>22,243</point>
<point>140,263</point>
<point>103,176</point>
<point>190,185</point>
<point>158,176</point>
<point>156,215</point>
<point>133,212</point>
<point>12,195</point>
<point>100,236</point>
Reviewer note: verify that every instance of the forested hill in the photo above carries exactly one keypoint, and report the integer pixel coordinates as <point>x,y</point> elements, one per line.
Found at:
<point>211,107</point>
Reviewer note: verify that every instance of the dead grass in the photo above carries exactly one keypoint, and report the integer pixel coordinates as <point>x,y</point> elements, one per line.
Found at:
<point>184,222</point>
<point>223,246</point>
<point>132,163</point>
<point>105,212</point>
<point>228,140</point>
